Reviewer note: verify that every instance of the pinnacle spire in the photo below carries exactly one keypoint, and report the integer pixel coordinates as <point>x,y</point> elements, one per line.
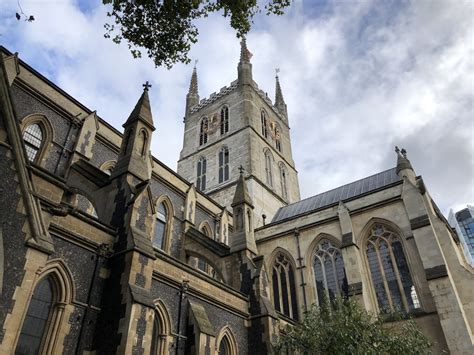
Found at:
<point>278,94</point>
<point>193,85</point>
<point>279,100</point>
<point>245,54</point>
<point>402,160</point>
<point>142,110</point>
<point>241,192</point>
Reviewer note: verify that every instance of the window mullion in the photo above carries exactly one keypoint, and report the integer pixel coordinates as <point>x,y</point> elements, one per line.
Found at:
<point>384,278</point>
<point>397,275</point>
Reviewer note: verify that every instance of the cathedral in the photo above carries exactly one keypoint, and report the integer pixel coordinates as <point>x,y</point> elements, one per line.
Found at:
<point>106,250</point>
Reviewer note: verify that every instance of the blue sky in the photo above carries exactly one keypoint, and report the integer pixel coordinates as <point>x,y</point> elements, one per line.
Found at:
<point>359,77</point>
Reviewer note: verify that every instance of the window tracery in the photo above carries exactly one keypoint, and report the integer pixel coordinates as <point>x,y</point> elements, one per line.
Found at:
<point>33,138</point>
<point>329,274</point>
<point>391,277</point>
<point>284,291</point>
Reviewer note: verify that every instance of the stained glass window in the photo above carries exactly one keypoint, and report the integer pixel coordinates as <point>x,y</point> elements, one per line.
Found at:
<point>329,272</point>
<point>33,138</point>
<point>391,276</point>
<point>284,290</point>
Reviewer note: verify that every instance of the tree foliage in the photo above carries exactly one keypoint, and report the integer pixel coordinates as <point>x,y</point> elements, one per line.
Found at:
<point>166,29</point>
<point>343,327</point>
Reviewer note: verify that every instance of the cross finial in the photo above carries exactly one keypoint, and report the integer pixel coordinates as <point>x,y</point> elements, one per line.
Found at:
<point>241,169</point>
<point>277,70</point>
<point>146,86</point>
<point>195,63</point>
<point>397,150</point>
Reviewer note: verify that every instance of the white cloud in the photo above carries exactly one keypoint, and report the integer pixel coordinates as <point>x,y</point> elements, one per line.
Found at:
<point>361,77</point>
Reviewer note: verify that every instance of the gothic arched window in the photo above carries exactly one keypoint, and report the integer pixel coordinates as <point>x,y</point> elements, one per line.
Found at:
<point>203,131</point>
<point>268,168</point>
<point>161,226</point>
<point>226,343</point>
<point>223,164</point>
<point>143,142</point>
<point>263,119</point>
<point>329,274</point>
<point>284,291</point>
<point>201,174</point>
<point>33,138</point>
<point>391,276</point>
<point>37,318</point>
<point>224,120</point>
<point>284,191</point>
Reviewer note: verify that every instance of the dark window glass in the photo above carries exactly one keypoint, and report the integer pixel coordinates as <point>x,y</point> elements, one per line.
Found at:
<point>223,164</point>
<point>203,131</point>
<point>33,137</point>
<point>224,346</point>
<point>160,229</point>
<point>391,276</point>
<point>201,174</point>
<point>263,118</point>
<point>36,319</point>
<point>276,290</point>
<point>294,307</point>
<point>224,120</point>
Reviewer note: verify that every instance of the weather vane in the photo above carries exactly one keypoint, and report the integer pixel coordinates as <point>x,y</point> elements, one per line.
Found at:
<point>277,70</point>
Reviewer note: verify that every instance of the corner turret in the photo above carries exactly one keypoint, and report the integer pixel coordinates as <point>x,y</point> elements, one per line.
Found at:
<point>242,209</point>
<point>245,67</point>
<point>134,156</point>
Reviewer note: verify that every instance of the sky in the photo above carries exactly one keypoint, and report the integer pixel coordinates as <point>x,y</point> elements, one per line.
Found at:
<point>359,77</point>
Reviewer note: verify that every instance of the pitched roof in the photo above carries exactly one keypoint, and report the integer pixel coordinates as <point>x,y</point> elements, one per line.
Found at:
<point>342,193</point>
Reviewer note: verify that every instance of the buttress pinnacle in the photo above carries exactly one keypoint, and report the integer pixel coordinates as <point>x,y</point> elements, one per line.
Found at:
<point>245,54</point>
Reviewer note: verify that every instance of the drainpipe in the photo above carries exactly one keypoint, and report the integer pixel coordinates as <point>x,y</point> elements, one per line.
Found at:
<point>300,266</point>
<point>102,251</point>
<point>182,291</point>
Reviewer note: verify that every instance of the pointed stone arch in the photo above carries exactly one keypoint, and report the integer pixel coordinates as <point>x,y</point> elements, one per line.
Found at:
<point>226,334</point>
<point>205,228</point>
<point>168,232</point>
<point>63,288</point>
<point>47,134</point>
<point>283,283</point>
<point>108,166</point>
<point>393,295</point>
<point>162,329</point>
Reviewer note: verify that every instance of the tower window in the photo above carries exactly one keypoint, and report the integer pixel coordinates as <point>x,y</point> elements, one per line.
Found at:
<point>224,120</point>
<point>160,229</point>
<point>390,273</point>
<point>203,131</point>
<point>263,118</point>
<point>329,274</point>
<point>284,291</point>
<point>268,168</point>
<point>201,174</point>
<point>284,191</point>
<point>33,138</point>
<point>223,164</point>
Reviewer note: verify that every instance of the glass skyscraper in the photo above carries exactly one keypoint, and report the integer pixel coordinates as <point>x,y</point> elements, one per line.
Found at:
<point>463,222</point>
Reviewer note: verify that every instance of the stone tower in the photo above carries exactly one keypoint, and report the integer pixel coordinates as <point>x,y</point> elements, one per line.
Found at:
<point>240,126</point>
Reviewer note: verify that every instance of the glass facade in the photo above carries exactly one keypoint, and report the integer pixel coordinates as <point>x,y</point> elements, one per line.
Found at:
<point>463,222</point>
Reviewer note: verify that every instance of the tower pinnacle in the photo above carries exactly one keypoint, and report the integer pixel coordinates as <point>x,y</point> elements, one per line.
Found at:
<point>245,54</point>
<point>193,85</point>
<point>279,101</point>
<point>192,97</point>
